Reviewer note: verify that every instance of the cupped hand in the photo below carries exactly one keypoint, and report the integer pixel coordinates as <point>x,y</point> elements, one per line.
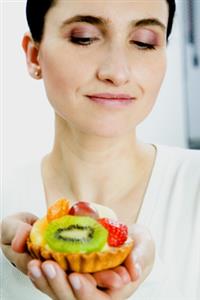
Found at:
<point>116,284</point>
<point>14,232</point>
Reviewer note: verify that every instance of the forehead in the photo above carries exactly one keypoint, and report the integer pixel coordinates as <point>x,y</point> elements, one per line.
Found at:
<point>117,10</point>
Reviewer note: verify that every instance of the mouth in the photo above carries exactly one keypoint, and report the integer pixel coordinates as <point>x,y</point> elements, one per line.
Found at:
<point>111,99</point>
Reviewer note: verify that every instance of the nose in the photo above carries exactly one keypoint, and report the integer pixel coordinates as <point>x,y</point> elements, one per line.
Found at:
<point>114,68</point>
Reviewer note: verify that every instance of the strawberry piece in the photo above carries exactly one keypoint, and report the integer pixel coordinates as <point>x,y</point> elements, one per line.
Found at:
<point>118,232</point>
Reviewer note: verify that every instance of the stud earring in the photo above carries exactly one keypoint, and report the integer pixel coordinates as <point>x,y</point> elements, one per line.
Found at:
<point>37,73</point>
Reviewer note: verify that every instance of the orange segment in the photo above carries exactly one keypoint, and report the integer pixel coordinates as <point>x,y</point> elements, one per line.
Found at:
<point>58,209</point>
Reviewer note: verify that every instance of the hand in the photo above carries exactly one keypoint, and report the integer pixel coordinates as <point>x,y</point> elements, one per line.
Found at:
<point>14,232</point>
<point>115,284</point>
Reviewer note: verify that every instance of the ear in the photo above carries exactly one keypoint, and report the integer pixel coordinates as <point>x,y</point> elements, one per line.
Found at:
<point>31,49</point>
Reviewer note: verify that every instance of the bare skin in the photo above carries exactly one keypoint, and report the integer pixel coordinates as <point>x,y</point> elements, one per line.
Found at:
<point>53,178</point>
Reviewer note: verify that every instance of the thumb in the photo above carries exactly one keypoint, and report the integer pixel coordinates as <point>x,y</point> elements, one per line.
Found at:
<point>84,288</point>
<point>13,225</point>
<point>140,261</point>
<point>18,243</point>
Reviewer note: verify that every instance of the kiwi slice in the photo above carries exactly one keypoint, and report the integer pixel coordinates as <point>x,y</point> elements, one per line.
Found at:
<point>75,234</point>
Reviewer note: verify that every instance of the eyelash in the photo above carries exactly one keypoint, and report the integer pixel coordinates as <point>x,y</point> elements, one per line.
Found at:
<point>86,41</point>
<point>144,46</point>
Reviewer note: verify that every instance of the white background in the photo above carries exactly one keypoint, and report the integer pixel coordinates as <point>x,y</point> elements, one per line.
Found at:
<point>28,118</point>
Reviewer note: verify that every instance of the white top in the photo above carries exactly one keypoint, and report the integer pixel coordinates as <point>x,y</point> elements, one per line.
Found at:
<point>171,210</point>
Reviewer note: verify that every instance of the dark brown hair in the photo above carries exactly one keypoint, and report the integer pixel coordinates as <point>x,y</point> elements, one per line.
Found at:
<point>36,11</point>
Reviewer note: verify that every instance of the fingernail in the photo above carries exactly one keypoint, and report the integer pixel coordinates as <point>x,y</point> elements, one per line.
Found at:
<point>35,272</point>
<point>137,255</point>
<point>75,282</point>
<point>137,266</point>
<point>137,271</point>
<point>134,257</point>
<point>49,271</point>
<point>118,283</point>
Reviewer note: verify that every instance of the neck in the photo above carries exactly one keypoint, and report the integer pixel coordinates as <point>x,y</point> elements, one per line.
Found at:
<point>92,168</point>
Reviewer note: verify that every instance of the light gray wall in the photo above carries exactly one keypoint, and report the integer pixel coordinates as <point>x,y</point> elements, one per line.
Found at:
<point>192,74</point>
<point>167,122</point>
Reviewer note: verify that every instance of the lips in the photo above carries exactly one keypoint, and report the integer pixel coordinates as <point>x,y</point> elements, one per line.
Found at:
<point>111,101</point>
<point>111,97</point>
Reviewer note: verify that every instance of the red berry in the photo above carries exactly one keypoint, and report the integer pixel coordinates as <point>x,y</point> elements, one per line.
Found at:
<point>83,208</point>
<point>118,232</point>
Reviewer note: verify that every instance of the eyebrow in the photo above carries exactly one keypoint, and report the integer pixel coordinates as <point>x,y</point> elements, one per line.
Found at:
<point>103,22</point>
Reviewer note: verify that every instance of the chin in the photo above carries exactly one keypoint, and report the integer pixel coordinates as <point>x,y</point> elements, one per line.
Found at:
<point>109,131</point>
<point>104,128</point>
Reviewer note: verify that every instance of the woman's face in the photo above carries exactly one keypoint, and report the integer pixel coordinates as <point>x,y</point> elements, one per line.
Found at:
<point>113,48</point>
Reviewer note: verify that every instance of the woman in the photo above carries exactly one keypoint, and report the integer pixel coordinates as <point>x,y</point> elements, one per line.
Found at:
<point>97,61</point>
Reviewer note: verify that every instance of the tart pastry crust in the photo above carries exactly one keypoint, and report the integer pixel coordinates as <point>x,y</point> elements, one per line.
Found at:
<point>83,262</point>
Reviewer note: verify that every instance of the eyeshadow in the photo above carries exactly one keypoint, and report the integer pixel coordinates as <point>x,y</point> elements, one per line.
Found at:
<point>146,35</point>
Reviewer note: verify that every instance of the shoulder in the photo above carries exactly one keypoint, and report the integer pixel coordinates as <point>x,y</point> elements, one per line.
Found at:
<point>180,170</point>
<point>180,158</point>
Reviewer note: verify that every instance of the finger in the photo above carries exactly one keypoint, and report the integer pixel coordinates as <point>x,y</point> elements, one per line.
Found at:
<point>91,279</point>
<point>11,223</point>
<point>26,217</point>
<point>140,261</point>
<point>123,273</point>
<point>108,279</point>
<point>19,260</point>
<point>84,289</point>
<point>123,293</point>
<point>18,243</point>
<point>57,280</point>
<point>38,279</point>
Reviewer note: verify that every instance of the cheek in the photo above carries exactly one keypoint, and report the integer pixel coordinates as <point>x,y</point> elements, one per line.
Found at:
<point>150,77</point>
<point>63,75</point>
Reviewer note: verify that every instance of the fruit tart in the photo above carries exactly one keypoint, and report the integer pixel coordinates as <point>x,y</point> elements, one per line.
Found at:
<point>83,237</point>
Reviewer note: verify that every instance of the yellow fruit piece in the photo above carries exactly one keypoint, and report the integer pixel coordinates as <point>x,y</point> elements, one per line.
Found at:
<point>58,209</point>
<point>37,232</point>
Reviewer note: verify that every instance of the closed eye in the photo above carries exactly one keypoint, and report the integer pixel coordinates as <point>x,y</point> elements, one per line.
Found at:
<point>84,41</point>
<point>143,46</point>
